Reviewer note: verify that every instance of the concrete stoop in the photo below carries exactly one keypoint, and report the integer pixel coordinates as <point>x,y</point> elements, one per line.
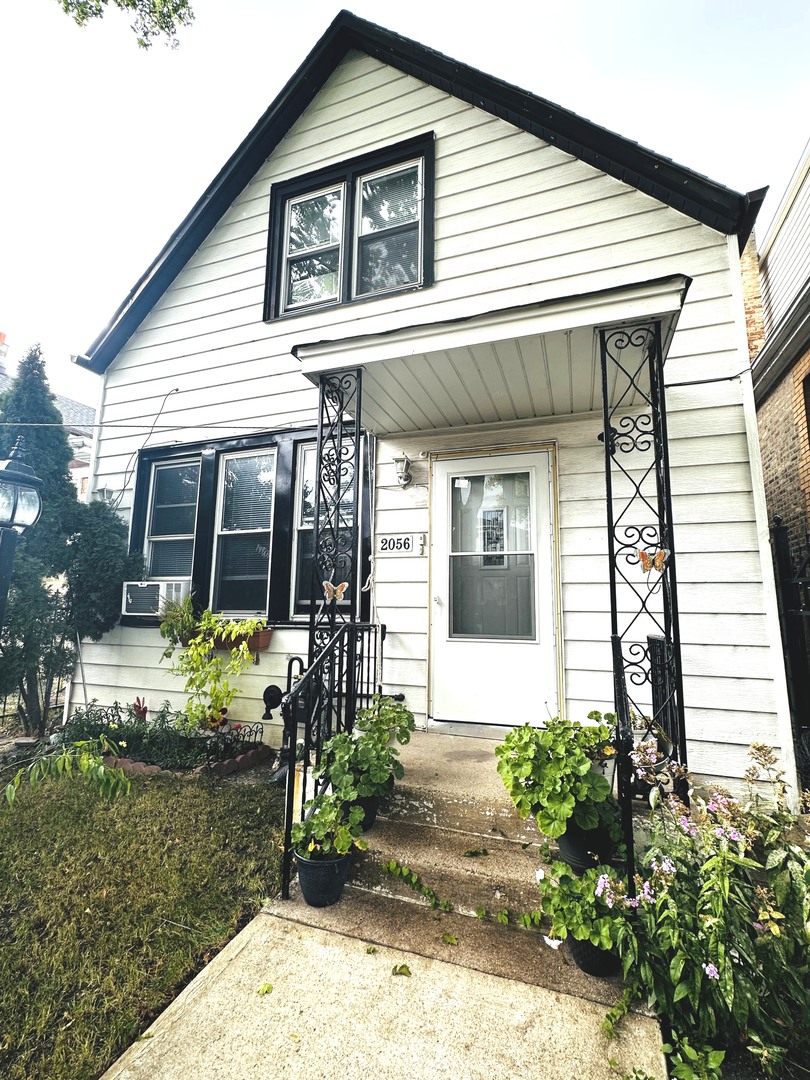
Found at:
<point>381,985</point>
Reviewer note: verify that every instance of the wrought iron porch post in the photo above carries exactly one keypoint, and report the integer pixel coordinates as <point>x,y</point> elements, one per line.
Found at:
<point>334,586</point>
<point>648,690</point>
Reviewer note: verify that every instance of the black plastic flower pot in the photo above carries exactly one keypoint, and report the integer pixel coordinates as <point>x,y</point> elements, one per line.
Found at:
<point>593,960</point>
<point>582,848</point>
<point>322,880</point>
<point>370,805</point>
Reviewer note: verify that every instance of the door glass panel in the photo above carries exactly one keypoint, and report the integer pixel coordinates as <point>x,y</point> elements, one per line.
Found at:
<point>492,560</point>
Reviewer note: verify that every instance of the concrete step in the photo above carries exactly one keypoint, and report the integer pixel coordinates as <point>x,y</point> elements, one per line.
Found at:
<point>452,781</point>
<point>508,952</point>
<point>482,816</point>
<point>501,876</point>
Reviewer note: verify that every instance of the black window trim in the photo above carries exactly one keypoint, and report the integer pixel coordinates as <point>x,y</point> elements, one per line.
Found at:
<point>348,172</point>
<point>286,444</point>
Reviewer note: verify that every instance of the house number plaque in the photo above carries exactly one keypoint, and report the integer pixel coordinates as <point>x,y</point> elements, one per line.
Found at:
<point>401,544</point>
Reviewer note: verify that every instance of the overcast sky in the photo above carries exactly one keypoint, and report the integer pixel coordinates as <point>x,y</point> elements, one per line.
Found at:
<point>105,146</point>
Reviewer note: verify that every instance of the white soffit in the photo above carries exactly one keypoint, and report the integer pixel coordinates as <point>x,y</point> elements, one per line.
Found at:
<point>536,361</point>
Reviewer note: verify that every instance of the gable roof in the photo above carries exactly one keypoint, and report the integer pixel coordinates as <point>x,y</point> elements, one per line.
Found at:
<point>712,204</point>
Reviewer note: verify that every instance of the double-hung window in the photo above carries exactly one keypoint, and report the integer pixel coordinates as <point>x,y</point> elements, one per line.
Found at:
<point>235,521</point>
<point>244,531</point>
<point>172,518</point>
<point>361,229</point>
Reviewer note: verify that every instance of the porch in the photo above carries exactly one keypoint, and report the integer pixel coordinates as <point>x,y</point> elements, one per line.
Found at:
<point>608,350</point>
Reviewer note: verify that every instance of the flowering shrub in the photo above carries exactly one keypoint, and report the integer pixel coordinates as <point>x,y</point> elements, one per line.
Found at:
<point>716,936</point>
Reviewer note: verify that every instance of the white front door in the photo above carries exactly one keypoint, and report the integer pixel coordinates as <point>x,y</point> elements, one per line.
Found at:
<point>493,653</point>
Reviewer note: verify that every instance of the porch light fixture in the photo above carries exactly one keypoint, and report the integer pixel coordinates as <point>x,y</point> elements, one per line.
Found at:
<point>403,466</point>
<point>20,507</point>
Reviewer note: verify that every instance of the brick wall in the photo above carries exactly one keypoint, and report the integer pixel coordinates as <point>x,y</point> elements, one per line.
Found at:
<point>785,446</point>
<point>752,297</point>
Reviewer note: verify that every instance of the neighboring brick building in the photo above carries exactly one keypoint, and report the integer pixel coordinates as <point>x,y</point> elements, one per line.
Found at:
<point>781,369</point>
<point>781,374</point>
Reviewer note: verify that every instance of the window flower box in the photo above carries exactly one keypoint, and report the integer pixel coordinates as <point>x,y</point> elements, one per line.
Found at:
<point>256,642</point>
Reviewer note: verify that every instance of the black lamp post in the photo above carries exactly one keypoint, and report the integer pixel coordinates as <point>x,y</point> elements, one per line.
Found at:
<point>20,507</point>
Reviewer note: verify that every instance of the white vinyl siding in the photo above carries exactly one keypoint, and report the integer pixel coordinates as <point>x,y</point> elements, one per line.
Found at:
<point>517,221</point>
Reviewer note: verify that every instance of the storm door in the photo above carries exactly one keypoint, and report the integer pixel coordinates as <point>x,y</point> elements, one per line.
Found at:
<point>493,655</point>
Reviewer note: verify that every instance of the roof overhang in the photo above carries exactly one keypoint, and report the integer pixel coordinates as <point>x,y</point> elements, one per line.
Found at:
<point>539,360</point>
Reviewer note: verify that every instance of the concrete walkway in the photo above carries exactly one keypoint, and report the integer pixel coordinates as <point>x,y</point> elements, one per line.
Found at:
<point>311,994</point>
<point>336,1010</point>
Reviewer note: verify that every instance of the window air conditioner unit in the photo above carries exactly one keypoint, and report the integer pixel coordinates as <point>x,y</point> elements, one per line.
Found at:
<point>150,597</point>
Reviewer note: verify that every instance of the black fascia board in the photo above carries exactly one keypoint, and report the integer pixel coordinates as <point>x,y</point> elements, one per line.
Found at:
<point>695,195</point>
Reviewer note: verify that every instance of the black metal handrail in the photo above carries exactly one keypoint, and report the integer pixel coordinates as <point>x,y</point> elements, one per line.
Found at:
<point>322,703</point>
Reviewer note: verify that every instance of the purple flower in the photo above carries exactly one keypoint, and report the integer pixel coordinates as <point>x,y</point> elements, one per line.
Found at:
<point>758,927</point>
<point>688,827</point>
<point>604,889</point>
<point>631,901</point>
<point>647,895</point>
<point>735,834</point>
<point>711,971</point>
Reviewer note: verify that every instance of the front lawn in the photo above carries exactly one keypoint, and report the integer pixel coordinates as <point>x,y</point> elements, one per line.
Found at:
<point>108,909</point>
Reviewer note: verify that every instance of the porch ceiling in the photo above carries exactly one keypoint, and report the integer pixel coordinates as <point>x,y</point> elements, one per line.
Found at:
<point>537,361</point>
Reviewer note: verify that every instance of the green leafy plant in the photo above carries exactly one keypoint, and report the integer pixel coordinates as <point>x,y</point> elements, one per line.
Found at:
<point>365,763</point>
<point>386,719</point>
<point>83,759</point>
<point>581,906</point>
<point>714,932</point>
<point>549,772</point>
<point>361,767</point>
<point>179,623</point>
<point>152,737</point>
<point>329,830</point>
<point>207,674</point>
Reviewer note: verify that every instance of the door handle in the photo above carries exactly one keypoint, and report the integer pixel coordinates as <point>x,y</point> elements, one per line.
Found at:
<point>437,599</point>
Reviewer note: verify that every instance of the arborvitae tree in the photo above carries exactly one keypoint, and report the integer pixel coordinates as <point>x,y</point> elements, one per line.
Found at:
<point>68,568</point>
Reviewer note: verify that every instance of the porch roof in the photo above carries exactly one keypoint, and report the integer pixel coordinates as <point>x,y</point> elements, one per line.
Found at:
<point>539,360</point>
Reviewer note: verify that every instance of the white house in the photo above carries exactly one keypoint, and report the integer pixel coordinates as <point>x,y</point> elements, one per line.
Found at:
<point>466,251</point>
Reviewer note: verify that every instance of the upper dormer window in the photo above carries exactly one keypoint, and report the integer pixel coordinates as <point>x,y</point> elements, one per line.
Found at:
<point>360,229</point>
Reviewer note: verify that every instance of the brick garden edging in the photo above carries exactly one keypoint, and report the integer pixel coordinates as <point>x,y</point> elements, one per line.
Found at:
<point>257,755</point>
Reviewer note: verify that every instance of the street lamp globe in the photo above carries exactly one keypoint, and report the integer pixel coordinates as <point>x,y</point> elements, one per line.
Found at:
<point>20,500</point>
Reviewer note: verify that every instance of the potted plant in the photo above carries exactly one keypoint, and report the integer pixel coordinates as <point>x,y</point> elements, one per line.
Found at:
<point>362,767</point>
<point>385,719</point>
<point>553,774</point>
<point>588,910</point>
<point>322,846</point>
<point>179,624</point>
<point>207,674</point>
<point>360,771</point>
<point>231,634</point>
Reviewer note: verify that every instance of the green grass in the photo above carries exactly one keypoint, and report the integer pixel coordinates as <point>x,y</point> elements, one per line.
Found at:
<point>108,910</point>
